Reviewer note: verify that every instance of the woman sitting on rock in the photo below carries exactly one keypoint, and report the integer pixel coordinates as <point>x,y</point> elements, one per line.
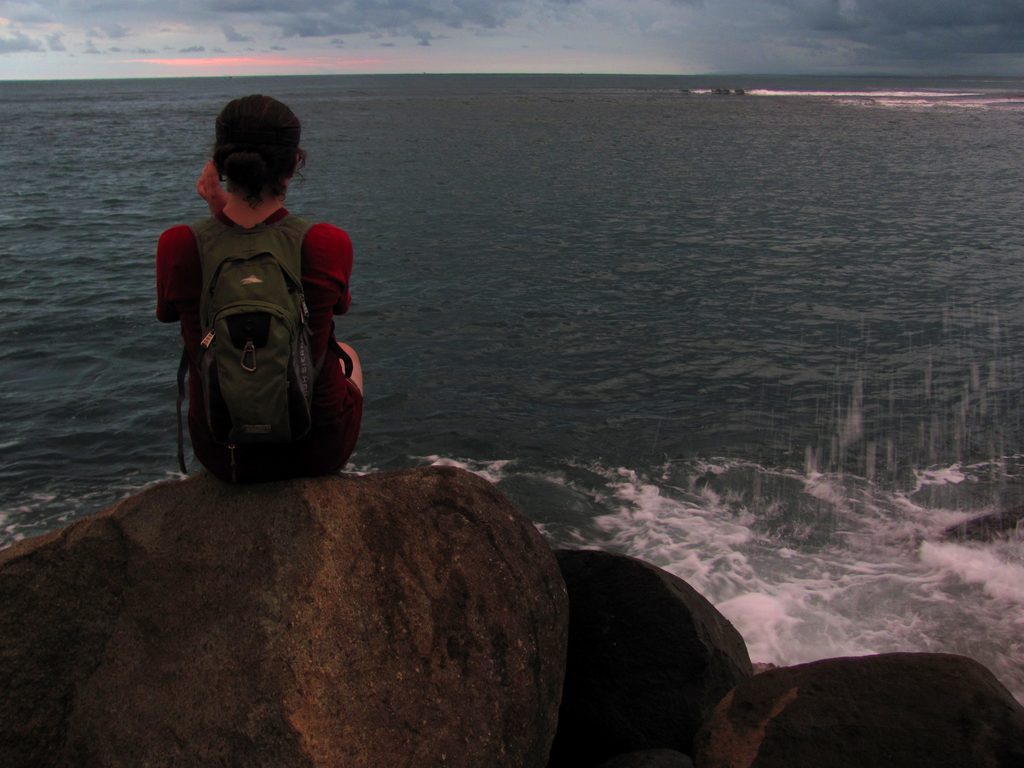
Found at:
<point>257,152</point>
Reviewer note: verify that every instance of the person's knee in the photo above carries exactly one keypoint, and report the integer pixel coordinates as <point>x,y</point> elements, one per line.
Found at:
<point>352,354</point>
<point>356,374</point>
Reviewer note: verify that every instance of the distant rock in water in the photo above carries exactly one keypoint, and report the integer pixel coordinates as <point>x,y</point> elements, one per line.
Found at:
<point>412,618</point>
<point>649,658</point>
<point>897,709</point>
<point>987,527</point>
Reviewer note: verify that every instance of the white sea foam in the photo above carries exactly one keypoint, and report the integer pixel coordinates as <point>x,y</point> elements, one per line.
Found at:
<point>492,471</point>
<point>823,488</point>
<point>905,99</point>
<point>766,621</point>
<point>973,565</point>
<point>952,475</point>
<point>861,574</point>
<point>880,94</point>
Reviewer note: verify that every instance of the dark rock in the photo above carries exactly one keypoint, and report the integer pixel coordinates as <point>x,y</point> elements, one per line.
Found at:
<point>900,709</point>
<point>1001,524</point>
<point>413,618</point>
<point>650,758</point>
<point>649,658</point>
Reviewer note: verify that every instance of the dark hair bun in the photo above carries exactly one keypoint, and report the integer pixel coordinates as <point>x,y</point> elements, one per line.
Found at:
<point>246,169</point>
<point>257,146</point>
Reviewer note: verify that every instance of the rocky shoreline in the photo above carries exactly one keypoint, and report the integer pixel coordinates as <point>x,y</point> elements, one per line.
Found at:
<point>417,618</point>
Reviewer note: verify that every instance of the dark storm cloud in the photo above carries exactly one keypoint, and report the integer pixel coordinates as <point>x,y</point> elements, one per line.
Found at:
<point>19,42</point>
<point>113,31</point>
<point>330,18</point>
<point>769,35</point>
<point>909,30</point>
<point>941,14</point>
<point>233,36</point>
<point>877,31</point>
<point>317,25</point>
<point>417,19</point>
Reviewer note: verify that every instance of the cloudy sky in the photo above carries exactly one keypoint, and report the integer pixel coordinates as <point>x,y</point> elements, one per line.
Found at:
<point>133,38</point>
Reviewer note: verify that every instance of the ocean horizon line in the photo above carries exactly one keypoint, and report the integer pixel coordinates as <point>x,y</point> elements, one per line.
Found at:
<point>411,74</point>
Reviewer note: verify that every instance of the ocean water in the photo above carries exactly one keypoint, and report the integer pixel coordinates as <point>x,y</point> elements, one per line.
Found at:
<point>770,342</point>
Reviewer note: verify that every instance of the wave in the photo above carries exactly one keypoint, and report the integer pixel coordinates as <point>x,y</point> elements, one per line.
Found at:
<point>907,99</point>
<point>61,501</point>
<point>806,565</point>
<point>891,94</point>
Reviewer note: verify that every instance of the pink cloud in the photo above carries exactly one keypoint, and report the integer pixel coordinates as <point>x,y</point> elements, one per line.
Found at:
<point>262,63</point>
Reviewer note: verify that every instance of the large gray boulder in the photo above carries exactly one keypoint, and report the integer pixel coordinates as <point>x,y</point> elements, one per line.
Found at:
<point>413,618</point>
<point>898,710</point>
<point>649,657</point>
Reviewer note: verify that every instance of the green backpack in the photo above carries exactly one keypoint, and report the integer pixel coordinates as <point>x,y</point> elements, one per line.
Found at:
<point>255,360</point>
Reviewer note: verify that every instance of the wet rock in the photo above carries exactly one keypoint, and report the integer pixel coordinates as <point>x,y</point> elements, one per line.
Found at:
<point>996,525</point>
<point>900,709</point>
<point>649,658</point>
<point>412,618</point>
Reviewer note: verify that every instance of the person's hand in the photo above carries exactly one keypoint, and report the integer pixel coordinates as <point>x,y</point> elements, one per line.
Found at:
<point>208,187</point>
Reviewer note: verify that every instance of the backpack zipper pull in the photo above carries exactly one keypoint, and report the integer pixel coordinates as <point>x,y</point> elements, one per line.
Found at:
<point>249,357</point>
<point>207,340</point>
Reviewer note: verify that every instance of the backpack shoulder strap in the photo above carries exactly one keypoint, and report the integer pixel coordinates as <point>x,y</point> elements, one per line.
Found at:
<point>207,229</point>
<point>182,370</point>
<point>292,229</point>
<point>204,232</point>
<point>295,225</point>
<point>207,232</point>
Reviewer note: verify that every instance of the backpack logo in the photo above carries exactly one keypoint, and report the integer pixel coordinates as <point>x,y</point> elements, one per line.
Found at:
<point>251,280</point>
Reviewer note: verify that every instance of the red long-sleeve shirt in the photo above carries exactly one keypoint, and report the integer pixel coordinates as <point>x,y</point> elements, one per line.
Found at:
<point>337,403</point>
